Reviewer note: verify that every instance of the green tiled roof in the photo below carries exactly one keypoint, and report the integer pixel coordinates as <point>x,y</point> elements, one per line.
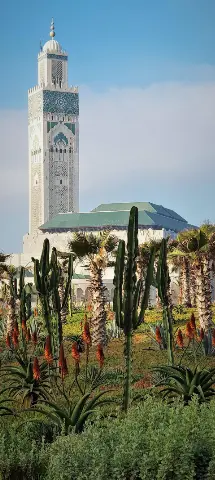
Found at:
<point>116,216</point>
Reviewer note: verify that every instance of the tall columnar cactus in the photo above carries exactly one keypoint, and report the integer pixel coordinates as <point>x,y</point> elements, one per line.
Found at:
<point>20,298</point>
<point>127,306</point>
<point>163,281</point>
<point>46,277</point>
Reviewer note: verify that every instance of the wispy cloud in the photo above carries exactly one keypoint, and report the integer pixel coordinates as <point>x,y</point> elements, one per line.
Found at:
<point>155,143</point>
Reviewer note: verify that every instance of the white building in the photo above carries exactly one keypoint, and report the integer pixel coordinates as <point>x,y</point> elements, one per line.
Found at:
<point>53,130</point>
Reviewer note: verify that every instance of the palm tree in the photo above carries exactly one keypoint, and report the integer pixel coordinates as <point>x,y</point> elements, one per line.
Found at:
<point>143,259</point>
<point>97,250</point>
<point>198,246</point>
<point>181,263</point>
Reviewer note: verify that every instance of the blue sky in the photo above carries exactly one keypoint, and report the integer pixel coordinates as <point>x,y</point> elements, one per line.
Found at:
<point>117,50</point>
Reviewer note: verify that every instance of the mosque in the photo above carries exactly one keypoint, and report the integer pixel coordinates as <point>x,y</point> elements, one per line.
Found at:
<point>53,151</point>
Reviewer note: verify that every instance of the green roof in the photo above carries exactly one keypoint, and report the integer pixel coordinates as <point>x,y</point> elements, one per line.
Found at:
<point>116,216</point>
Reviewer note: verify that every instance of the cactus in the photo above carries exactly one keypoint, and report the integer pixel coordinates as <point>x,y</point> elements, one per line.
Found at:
<point>46,277</point>
<point>163,281</point>
<point>128,309</point>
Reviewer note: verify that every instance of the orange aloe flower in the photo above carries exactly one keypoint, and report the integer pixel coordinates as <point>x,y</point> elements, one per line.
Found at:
<point>15,338</point>
<point>8,340</point>
<point>24,326</point>
<point>100,355</point>
<point>64,369</point>
<point>179,339</point>
<point>158,335</point>
<point>62,362</point>
<point>16,328</point>
<point>75,352</point>
<point>61,356</point>
<point>35,312</point>
<point>36,369</point>
<point>189,331</point>
<point>89,307</point>
<point>213,337</point>
<point>202,334</point>
<point>28,335</point>
<point>86,333</point>
<point>193,322</point>
<point>48,350</point>
<point>34,338</point>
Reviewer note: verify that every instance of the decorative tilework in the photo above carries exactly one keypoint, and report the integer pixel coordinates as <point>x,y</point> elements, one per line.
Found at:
<point>50,125</point>
<point>57,57</point>
<point>60,138</point>
<point>61,102</point>
<point>71,127</point>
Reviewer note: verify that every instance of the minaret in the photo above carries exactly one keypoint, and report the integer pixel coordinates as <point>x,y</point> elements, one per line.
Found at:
<point>53,132</point>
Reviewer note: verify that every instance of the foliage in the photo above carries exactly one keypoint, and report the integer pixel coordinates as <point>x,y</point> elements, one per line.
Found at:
<point>21,382</point>
<point>180,381</point>
<point>152,442</point>
<point>71,417</point>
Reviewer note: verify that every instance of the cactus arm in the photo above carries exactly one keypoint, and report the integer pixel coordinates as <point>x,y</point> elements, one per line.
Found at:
<point>136,304</point>
<point>44,261</point>
<point>118,282</point>
<point>130,270</point>
<point>69,279</point>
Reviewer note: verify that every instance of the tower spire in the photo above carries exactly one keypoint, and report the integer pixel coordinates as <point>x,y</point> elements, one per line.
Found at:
<point>52,31</point>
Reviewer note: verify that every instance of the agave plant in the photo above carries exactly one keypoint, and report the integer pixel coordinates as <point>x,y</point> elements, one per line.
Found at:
<point>71,416</point>
<point>4,409</point>
<point>182,382</point>
<point>22,380</point>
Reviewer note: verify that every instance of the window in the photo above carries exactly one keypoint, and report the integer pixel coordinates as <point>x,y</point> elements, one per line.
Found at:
<point>56,150</point>
<point>61,150</point>
<point>52,117</point>
<point>70,150</point>
<point>61,182</point>
<point>64,150</point>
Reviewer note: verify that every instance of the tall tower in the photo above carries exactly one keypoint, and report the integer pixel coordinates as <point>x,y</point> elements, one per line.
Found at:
<point>53,132</point>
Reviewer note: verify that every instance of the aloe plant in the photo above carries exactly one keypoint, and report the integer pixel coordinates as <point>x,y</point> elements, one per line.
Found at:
<point>182,382</point>
<point>129,310</point>
<point>71,416</point>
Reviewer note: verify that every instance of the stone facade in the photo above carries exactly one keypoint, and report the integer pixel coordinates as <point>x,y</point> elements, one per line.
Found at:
<point>53,133</point>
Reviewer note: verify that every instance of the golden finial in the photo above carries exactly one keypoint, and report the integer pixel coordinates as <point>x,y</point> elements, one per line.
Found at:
<point>52,32</point>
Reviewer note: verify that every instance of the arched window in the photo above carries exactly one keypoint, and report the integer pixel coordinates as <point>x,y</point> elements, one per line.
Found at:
<point>64,150</point>
<point>70,150</point>
<point>56,150</point>
<point>61,150</point>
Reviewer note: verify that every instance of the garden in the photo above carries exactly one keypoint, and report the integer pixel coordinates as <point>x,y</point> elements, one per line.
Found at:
<point>121,390</point>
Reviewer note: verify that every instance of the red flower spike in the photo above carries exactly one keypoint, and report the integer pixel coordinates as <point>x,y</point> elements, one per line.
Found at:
<point>202,334</point>
<point>179,339</point>
<point>36,369</point>
<point>24,326</point>
<point>35,312</point>
<point>48,350</point>
<point>193,322</point>
<point>75,352</point>
<point>34,338</point>
<point>158,335</point>
<point>189,331</point>
<point>8,340</point>
<point>15,338</point>
<point>100,355</point>
<point>64,369</point>
<point>16,328</point>
<point>61,356</point>
<point>28,335</point>
<point>213,337</point>
<point>86,334</point>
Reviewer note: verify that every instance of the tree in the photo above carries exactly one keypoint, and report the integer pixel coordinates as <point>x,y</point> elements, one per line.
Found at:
<point>97,250</point>
<point>182,264</point>
<point>198,246</point>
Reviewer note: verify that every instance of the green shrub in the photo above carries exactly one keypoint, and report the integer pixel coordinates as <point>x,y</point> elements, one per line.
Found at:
<point>153,442</point>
